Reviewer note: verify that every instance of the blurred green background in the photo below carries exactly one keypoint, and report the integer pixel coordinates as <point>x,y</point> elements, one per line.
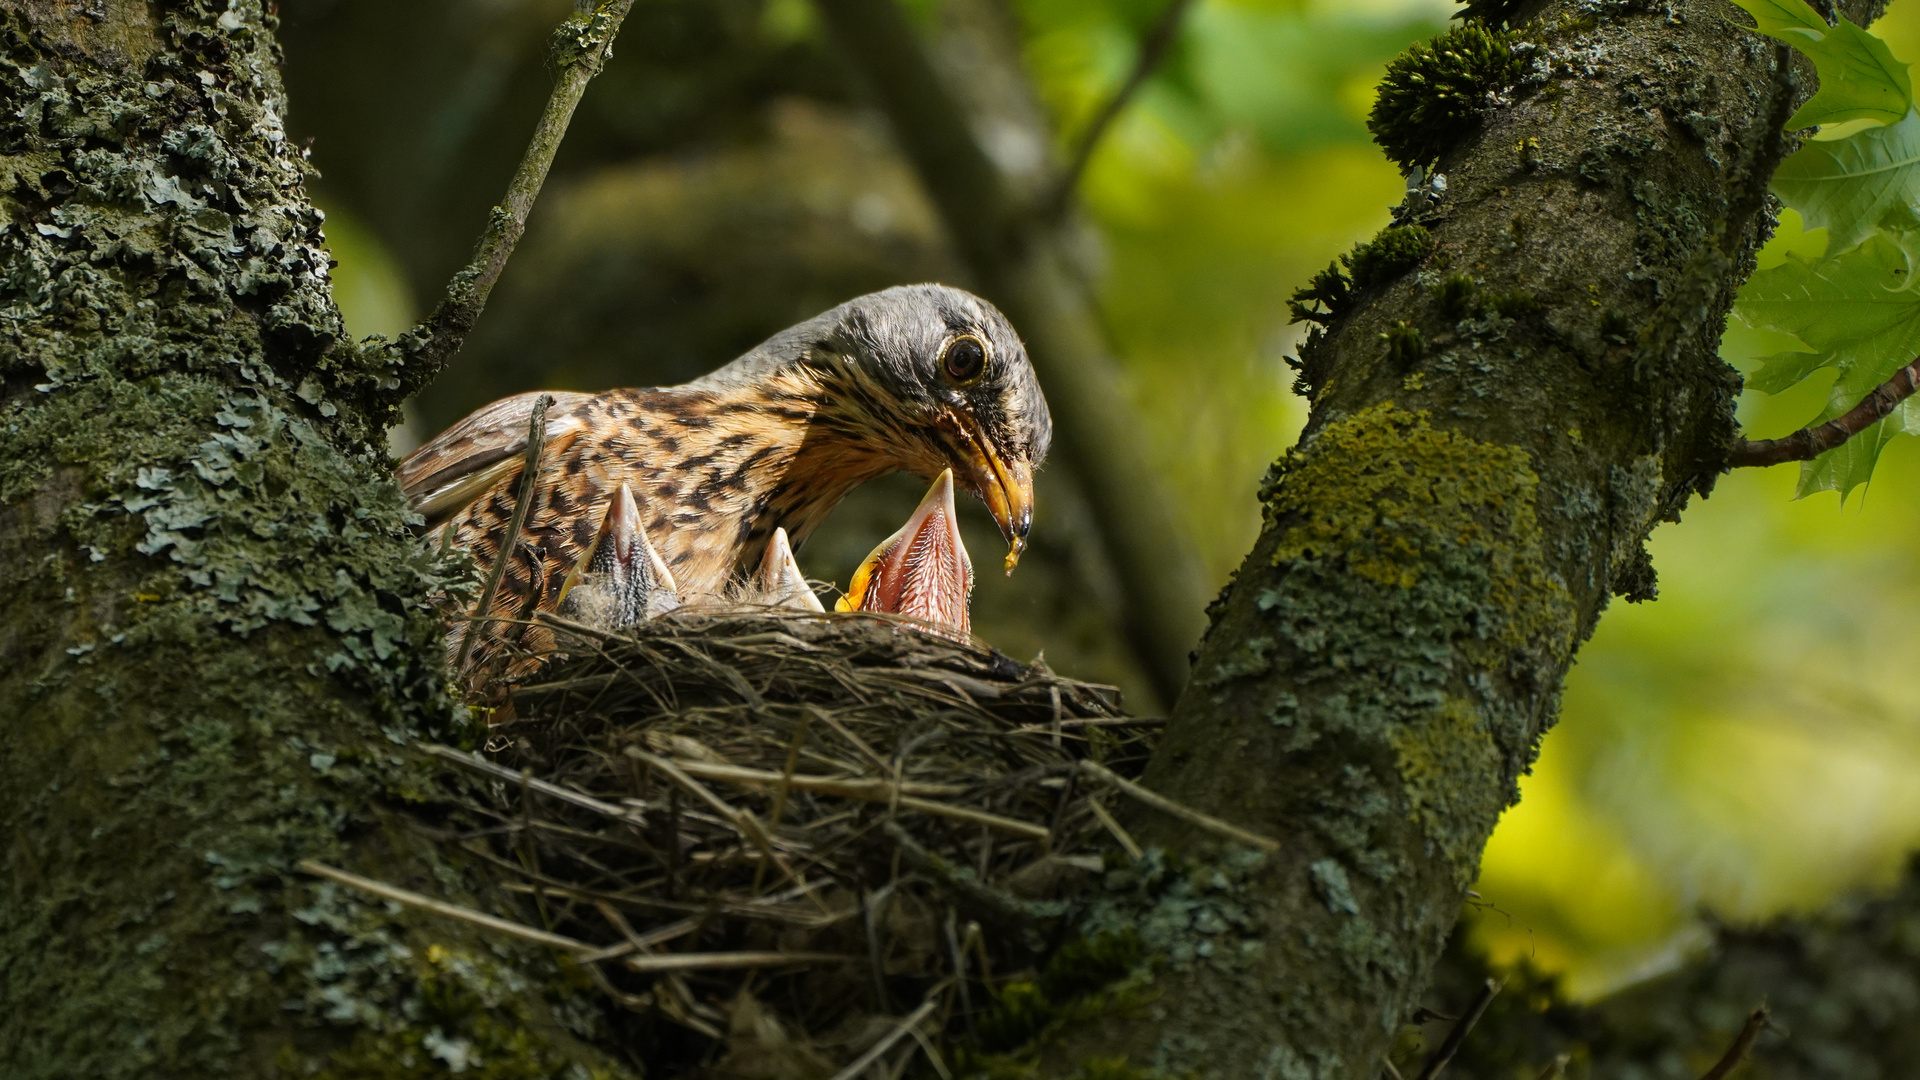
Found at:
<point>1748,744</point>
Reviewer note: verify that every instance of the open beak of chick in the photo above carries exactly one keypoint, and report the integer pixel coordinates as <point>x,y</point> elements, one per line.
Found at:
<point>779,582</point>
<point>922,571</point>
<point>620,580</point>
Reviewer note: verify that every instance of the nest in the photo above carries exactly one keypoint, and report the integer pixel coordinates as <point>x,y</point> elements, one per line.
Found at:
<point>785,843</point>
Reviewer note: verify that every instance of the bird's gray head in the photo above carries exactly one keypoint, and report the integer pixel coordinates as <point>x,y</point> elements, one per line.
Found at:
<point>939,378</point>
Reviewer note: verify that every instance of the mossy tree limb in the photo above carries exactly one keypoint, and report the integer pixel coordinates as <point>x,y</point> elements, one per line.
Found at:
<point>217,640</point>
<point>1449,529</point>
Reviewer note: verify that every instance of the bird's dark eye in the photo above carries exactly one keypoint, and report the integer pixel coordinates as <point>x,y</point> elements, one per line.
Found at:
<point>964,359</point>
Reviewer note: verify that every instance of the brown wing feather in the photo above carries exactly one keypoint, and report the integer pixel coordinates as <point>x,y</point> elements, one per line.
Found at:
<point>478,453</point>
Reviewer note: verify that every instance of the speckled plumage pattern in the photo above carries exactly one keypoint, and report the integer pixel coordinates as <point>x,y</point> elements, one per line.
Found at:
<point>775,439</point>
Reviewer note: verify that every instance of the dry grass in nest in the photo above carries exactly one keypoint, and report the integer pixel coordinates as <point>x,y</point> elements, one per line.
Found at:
<point>788,844</point>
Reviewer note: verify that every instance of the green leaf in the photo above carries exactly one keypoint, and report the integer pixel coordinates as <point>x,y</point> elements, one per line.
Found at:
<point>1859,78</point>
<point>1777,18</point>
<point>1784,370</point>
<point>1860,315</point>
<point>1854,310</point>
<point>1850,186</point>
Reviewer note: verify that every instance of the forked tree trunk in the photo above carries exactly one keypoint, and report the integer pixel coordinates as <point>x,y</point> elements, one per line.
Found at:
<point>215,642</point>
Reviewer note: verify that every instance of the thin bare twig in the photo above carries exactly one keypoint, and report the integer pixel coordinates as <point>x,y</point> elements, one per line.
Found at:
<point>441,907</point>
<point>1451,1045</point>
<point>536,442</point>
<point>886,791</point>
<point>1153,49</point>
<point>781,793</point>
<point>964,886</point>
<point>1810,442</point>
<point>1180,810</point>
<point>580,47</point>
<point>1742,1044</point>
<point>499,772</point>
<point>1125,838</point>
<point>652,963</point>
<point>910,1021</point>
<point>741,819</point>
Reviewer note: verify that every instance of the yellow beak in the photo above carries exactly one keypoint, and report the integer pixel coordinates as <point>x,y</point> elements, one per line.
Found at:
<point>1006,487</point>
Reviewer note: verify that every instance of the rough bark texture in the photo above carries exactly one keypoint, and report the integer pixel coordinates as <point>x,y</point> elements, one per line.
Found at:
<point>1498,421</point>
<point>216,638</point>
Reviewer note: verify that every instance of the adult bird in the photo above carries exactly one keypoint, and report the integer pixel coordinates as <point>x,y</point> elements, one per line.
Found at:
<point>918,378</point>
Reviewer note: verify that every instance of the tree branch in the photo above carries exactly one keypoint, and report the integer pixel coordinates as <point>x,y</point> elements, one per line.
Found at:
<point>1458,1036</point>
<point>1742,1045</point>
<point>1153,49</point>
<point>1810,442</point>
<point>536,442</point>
<point>1447,531</point>
<point>579,49</point>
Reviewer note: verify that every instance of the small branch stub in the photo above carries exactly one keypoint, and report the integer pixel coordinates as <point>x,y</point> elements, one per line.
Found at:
<point>1458,1036</point>
<point>1742,1044</point>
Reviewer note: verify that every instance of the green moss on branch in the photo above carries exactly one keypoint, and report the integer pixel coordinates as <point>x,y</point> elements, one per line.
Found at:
<point>1436,93</point>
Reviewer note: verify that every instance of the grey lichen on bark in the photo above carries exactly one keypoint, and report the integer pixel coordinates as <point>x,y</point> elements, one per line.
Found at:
<point>1496,427</point>
<point>217,638</point>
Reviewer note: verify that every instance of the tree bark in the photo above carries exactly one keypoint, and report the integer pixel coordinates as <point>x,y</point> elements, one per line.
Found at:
<point>217,637</point>
<point>1484,459</point>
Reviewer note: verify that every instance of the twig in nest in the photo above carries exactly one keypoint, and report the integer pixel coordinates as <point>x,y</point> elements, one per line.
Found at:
<point>488,768</point>
<point>1810,442</point>
<point>580,48</point>
<point>884,791</point>
<point>536,441</point>
<point>636,942</point>
<point>1742,1044</point>
<point>1123,836</point>
<point>1180,810</point>
<point>653,963</point>
<point>741,819</point>
<point>1458,1035</point>
<point>907,1023</point>
<point>441,907</point>
<point>1008,910</point>
<point>781,793</point>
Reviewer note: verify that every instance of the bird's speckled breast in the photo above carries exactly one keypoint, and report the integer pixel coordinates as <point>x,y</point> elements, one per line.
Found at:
<point>714,473</point>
